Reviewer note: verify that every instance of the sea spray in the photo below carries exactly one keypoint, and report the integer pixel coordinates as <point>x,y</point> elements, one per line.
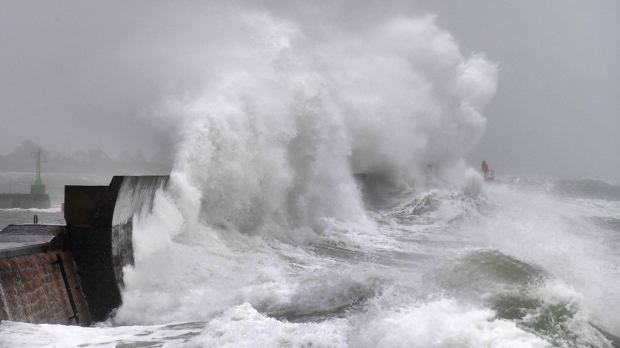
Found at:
<point>440,323</point>
<point>556,235</point>
<point>272,144</point>
<point>263,237</point>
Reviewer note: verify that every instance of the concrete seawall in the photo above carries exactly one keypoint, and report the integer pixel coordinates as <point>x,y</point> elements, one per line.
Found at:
<point>73,274</point>
<point>38,279</point>
<point>32,290</point>
<point>100,224</point>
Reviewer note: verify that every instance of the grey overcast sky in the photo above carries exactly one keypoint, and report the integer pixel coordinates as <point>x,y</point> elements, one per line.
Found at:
<point>78,74</point>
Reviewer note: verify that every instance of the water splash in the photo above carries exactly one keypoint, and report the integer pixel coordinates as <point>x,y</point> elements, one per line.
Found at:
<point>273,141</point>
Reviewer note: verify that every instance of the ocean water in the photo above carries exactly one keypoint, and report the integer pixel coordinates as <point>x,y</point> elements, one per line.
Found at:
<point>12,182</point>
<point>512,263</point>
<point>320,198</point>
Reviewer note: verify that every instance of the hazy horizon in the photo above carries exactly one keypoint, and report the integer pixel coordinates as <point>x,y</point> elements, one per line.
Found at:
<point>84,75</point>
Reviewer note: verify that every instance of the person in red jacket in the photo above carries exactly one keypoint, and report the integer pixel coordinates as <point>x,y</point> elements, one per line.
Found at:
<point>485,169</point>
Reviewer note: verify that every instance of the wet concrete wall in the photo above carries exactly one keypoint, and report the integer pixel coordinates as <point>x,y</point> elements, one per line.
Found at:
<point>32,290</point>
<point>73,274</point>
<point>38,279</point>
<point>100,224</point>
<point>90,243</point>
<point>135,199</point>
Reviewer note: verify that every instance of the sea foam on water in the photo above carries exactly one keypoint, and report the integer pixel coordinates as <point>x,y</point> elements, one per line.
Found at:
<point>265,238</point>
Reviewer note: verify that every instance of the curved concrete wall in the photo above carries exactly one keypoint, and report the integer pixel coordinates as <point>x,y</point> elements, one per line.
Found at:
<point>100,224</point>
<point>135,199</point>
<point>71,274</point>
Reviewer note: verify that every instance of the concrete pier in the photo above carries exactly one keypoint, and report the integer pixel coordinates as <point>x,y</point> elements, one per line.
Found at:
<point>72,274</point>
<point>100,223</point>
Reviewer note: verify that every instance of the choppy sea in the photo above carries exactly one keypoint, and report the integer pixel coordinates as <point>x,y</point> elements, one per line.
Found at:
<point>513,263</point>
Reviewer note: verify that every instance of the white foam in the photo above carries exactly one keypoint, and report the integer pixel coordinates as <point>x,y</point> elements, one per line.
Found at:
<point>196,278</point>
<point>440,323</point>
<point>555,234</point>
<point>154,232</point>
<point>243,326</point>
<point>272,143</point>
<point>25,335</point>
<point>268,151</point>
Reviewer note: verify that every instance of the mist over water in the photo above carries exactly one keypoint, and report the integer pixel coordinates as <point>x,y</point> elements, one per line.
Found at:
<point>272,148</point>
<point>277,136</point>
<point>265,237</point>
